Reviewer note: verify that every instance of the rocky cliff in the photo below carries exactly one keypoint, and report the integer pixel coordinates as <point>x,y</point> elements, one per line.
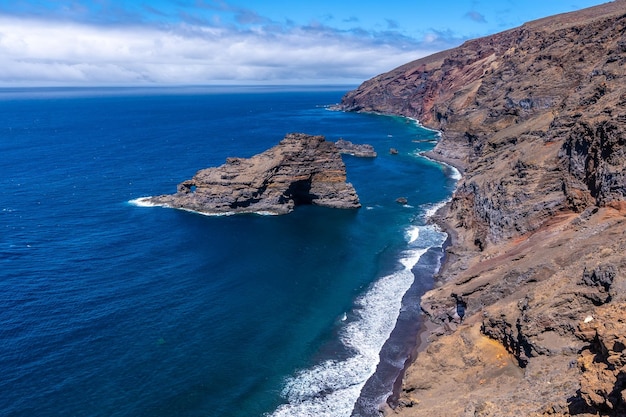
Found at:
<point>301,169</point>
<point>531,302</point>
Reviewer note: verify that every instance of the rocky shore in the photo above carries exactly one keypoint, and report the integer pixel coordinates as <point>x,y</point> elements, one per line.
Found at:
<point>530,305</point>
<point>301,169</point>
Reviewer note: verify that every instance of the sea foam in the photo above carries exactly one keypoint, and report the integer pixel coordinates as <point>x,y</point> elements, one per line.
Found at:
<point>454,173</point>
<point>142,202</point>
<point>413,233</point>
<point>145,202</point>
<point>331,388</point>
<point>431,209</point>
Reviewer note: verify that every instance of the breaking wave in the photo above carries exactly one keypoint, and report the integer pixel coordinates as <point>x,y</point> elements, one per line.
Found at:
<point>145,202</point>
<point>331,388</point>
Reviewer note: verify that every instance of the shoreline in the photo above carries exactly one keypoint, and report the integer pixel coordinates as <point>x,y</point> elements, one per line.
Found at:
<point>426,326</point>
<point>416,326</point>
<point>426,329</point>
<point>400,347</point>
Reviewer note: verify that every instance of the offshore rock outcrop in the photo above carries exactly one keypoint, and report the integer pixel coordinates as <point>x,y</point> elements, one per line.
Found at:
<point>358,150</point>
<point>535,118</point>
<point>302,169</point>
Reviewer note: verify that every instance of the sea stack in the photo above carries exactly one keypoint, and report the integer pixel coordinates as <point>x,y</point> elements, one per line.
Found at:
<point>302,169</point>
<point>535,117</point>
<point>358,150</point>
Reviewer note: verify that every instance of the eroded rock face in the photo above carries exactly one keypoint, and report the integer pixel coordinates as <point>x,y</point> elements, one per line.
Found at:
<point>535,118</point>
<point>603,362</point>
<point>594,155</point>
<point>301,169</point>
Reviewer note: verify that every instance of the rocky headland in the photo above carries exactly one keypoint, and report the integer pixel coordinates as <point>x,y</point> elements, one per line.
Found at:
<point>302,169</point>
<point>529,309</point>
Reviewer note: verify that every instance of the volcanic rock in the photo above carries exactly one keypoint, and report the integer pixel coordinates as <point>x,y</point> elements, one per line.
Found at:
<point>361,151</point>
<point>402,200</point>
<point>301,169</point>
<point>535,118</point>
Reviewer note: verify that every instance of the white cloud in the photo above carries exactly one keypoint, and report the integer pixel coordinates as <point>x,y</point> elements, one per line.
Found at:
<point>37,52</point>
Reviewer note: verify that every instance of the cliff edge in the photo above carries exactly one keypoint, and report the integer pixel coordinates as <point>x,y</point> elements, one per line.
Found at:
<point>531,302</point>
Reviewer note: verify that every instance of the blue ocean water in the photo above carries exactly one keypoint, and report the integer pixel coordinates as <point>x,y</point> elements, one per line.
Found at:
<point>109,309</point>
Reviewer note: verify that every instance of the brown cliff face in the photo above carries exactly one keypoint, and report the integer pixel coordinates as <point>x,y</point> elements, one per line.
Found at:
<point>536,119</point>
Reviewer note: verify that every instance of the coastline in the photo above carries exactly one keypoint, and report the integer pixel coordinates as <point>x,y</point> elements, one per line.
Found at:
<point>423,327</point>
<point>531,295</point>
<point>426,326</point>
<point>423,324</point>
<point>400,348</point>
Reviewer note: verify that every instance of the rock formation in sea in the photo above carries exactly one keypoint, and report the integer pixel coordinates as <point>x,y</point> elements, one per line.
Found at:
<point>301,169</point>
<point>359,150</point>
<point>535,118</point>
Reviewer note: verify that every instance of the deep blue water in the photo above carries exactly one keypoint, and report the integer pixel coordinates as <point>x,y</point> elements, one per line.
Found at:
<point>109,309</point>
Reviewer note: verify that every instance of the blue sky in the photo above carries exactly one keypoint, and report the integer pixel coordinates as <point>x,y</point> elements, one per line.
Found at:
<point>197,42</point>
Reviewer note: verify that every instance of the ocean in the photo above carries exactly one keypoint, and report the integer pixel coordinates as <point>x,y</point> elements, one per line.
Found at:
<point>111,309</point>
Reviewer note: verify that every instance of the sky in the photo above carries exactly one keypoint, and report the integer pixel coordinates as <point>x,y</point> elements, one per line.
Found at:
<point>228,42</point>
